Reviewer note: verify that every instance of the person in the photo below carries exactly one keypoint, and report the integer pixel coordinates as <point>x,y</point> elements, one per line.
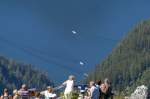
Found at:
<point>106,89</point>
<point>23,92</point>
<point>15,94</point>
<point>6,94</point>
<point>93,91</point>
<point>49,93</point>
<point>69,87</point>
<point>37,95</point>
<point>82,88</point>
<point>32,92</point>
<point>109,91</point>
<point>99,82</point>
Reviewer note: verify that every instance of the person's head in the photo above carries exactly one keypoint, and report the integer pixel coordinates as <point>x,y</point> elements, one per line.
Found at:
<point>24,86</point>
<point>50,89</point>
<point>15,92</point>
<point>106,81</point>
<point>37,94</point>
<point>92,83</point>
<point>99,82</point>
<point>5,91</point>
<point>71,77</point>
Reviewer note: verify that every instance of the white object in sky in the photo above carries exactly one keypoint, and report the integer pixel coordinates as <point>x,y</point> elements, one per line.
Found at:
<point>81,63</point>
<point>74,32</point>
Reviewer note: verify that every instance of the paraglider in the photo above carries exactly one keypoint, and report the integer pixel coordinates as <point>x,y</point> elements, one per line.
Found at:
<point>81,63</point>
<point>74,32</point>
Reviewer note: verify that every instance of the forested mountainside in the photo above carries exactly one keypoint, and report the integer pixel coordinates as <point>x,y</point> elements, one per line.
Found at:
<point>128,65</point>
<point>13,74</point>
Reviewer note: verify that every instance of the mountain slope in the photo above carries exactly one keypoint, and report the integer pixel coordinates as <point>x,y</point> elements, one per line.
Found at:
<point>129,63</point>
<point>14,74</point>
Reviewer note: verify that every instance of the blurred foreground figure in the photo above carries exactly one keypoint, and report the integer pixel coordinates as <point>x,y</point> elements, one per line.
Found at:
<point>15,94</point>
<point>69,87</point>
<point>23,92</point>
<point>49,93</point>
<point>106,89</point>
<point>37,95</point>
<point>6,95</point>
<point>93,91</point>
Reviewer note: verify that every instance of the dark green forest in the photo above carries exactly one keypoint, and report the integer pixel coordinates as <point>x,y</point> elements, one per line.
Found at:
<point>13,74</point>
<point>128,65</point>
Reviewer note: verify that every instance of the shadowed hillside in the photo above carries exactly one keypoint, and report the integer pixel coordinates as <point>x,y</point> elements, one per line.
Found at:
<point>128,65</point>
<point>14,74</point>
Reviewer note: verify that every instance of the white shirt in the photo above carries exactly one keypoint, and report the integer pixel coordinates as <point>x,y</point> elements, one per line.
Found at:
<point>69,86</point>
<point>48,95</point>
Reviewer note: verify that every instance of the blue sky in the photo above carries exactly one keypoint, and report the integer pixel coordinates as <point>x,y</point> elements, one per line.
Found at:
<point>40,31</point>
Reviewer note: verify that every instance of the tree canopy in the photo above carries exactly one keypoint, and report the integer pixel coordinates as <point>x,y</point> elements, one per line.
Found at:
<point>128,65</point>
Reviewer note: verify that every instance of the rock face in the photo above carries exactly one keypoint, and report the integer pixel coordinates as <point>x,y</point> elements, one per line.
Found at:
<point>141,92</point>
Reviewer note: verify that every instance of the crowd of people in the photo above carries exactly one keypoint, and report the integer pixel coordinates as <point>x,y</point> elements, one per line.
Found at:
<point>99,90</point>
<point>25,93</point>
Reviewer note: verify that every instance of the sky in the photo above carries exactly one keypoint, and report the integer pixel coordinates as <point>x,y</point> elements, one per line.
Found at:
<point>63,37</point>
